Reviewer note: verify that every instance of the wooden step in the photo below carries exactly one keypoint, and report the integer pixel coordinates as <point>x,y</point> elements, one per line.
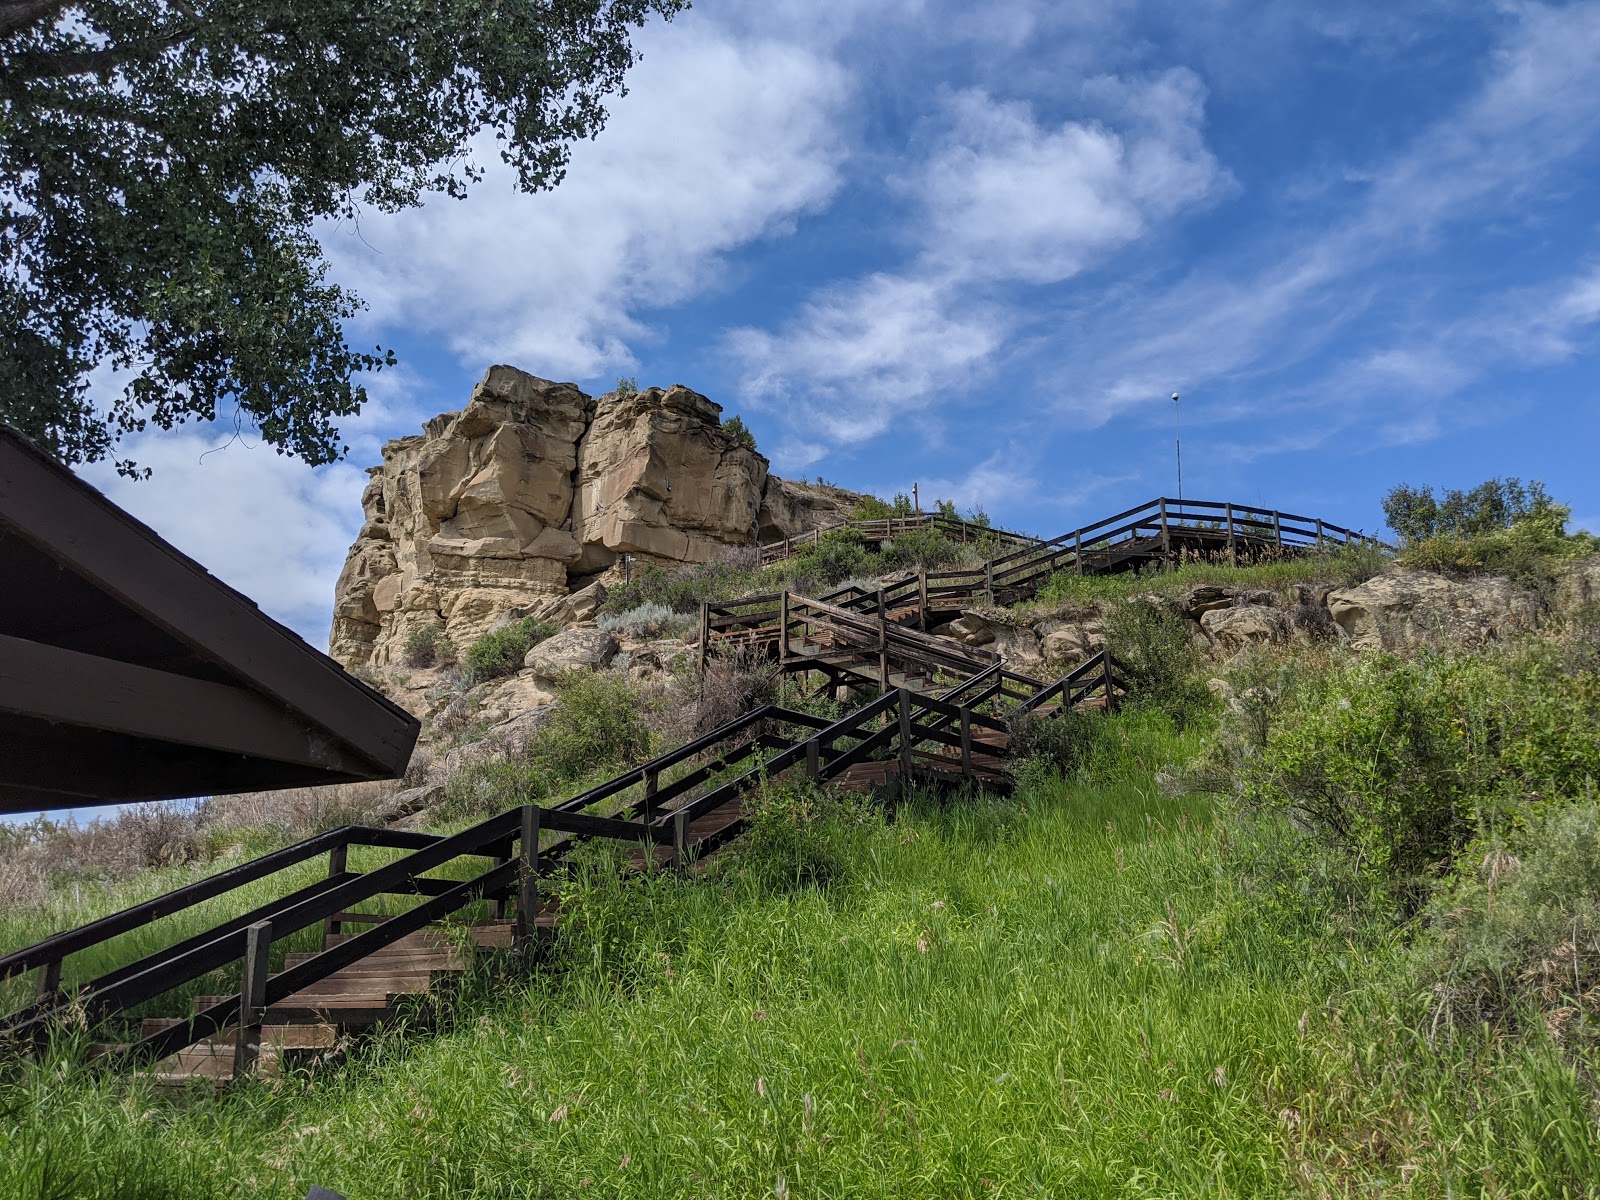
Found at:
<point>307,1038</point>
<point>211,1063</point>
<point>344,1011</point>
<point>436,958</point>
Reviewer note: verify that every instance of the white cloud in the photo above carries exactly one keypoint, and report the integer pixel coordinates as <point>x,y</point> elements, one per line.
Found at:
<point>1534,112</point>
<point>1007,199</point>
<point>860,353</point>
<point>267,525</point>
<point>720,142</point>
<point>1001,200</point>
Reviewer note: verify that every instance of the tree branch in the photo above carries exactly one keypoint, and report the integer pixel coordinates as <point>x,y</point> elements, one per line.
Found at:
<point>65,64</point>
<point>19,14</point>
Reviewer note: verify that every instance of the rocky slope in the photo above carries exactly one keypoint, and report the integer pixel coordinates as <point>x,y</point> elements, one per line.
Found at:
<point>536,489</point>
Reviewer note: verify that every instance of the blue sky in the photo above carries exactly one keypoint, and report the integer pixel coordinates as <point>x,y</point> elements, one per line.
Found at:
<point>980,246</point>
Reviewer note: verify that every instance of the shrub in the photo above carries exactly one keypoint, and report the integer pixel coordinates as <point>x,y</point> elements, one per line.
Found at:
<point>684,588</point>
<point>597,721</point>
<point>1496,504</point>
<point>1150,640</point>
<point>1061,744</point>
<point>730,686</point>
<point>1522,929</point>
<point>799,835</point>
<point>650,619</point>
<point>426,648</point>
<point>627,386</point>
<point>836,555</point>
<point>501,651</point>
<point>740,432</point>
<point>1402,764</point>
<point>926,547</point>
<point>871,508</point>
<point>1500,527</point>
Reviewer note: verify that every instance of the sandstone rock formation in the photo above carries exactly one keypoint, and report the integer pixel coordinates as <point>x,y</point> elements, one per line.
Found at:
<point>571,650</point>
<point>1407,608</point>
<point>535,488</point>
<point>1244,625</point>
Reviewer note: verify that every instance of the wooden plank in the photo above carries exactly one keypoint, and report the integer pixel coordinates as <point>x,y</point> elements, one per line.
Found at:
<point>91,692</point>
<point>129,562</point>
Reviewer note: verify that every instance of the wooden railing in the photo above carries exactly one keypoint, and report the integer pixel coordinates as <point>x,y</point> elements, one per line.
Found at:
<point>1160,530</point>
<point>655,806</point>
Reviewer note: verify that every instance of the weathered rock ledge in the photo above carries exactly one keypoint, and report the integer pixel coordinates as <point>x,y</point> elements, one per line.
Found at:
<point>536,489</point>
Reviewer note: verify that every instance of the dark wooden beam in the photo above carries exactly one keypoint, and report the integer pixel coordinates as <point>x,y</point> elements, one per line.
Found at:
<point>46,504</point>
<point>88,692</point>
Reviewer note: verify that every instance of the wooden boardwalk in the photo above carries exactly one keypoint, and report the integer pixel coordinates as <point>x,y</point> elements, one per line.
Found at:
<point>942,716</point>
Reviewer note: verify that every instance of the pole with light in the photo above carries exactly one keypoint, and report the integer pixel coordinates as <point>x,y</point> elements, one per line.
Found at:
<point>1177,423</point>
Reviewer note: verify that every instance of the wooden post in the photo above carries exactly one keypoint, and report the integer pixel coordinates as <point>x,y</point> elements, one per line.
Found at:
<point>966,741</point>
<point>252,997</point>
<point>905,741</point>
<point>652,784</point>
<point>527,877</point>
<point>883,643</point>
<point>1233,556</point>
<point>1105,665</point>
<point>1077,542</point>
<point>1277,528</point>
<point>705,632</point>
<point>988,581</point>
<point>813,758</point>
<point>1319,535</point>
<point>783,628</point>
<point>338,861</point>
<point>1166,537</point>
<point>922,599</point>
<point>680,839</point>
<point>49,980</point>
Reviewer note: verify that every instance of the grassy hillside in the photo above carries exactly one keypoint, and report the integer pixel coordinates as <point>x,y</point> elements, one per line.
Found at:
<point>1095,987</point>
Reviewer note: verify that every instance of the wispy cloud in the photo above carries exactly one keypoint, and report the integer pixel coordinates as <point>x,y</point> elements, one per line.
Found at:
<point>1002,200</point>
<point>723,141</point>
<point>1535,112</point>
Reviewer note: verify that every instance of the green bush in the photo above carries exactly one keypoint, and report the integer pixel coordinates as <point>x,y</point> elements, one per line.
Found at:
<point>1150,640</point>
<point>1496,504</point>
<point>1500,527</point>
<point>800,835</point>
<point>925,547</point>
<point>1062,744</point>
<point>1520,930</point>
<point>596,722</point>
<point>871,508</point>
<point>500,651</point>
<point>834,557</point>
<point>1402,764</point>
<point>684,588</point>
<point>740,432</point>
<point>425,647</point>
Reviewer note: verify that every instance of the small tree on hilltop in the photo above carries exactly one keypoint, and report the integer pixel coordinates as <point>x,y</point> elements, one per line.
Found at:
<point>740,432</point>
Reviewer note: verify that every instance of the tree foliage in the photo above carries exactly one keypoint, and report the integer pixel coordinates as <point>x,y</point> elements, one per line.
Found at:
<point>740,432</point>
<point>162,164</point>
<point>1416,514</point>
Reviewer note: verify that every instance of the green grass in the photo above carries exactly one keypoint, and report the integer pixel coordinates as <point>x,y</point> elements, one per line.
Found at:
<point>1347,565</point>
<point>1087,990</point>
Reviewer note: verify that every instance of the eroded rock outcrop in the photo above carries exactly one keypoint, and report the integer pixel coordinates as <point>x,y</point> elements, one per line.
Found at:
<point>1408,608</point>
<point>535,490</point>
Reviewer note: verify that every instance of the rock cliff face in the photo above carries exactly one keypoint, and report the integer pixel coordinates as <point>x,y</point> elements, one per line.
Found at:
<point>535,487</point>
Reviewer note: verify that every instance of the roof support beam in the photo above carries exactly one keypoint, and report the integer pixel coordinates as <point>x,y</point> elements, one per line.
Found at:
<point>83,690</point>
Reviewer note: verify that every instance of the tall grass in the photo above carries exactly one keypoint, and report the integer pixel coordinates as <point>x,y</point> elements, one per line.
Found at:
<point>1087,989</point>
